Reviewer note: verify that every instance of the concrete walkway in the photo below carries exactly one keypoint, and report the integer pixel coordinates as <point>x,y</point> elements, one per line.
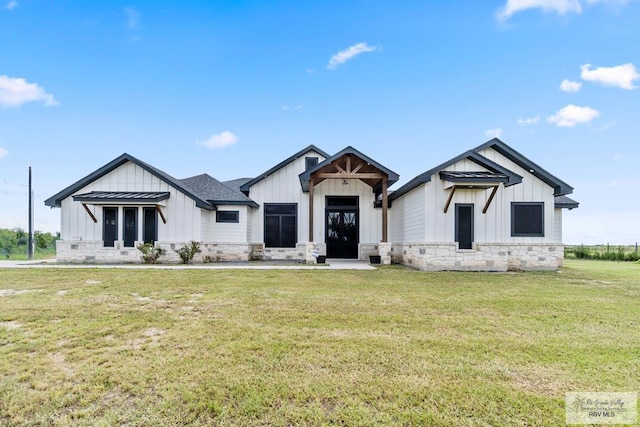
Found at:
<point>332,264</point>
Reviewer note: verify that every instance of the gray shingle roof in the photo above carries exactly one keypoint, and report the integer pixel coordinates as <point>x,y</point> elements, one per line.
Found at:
<point>235,184</point>
<point>215,192</point>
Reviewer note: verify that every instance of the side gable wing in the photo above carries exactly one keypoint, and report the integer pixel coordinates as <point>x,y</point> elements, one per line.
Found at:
<point>510,177</point>
<point>56,199</point>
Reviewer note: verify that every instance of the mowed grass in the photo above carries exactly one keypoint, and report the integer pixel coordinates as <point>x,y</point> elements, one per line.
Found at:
<point>281,347</point>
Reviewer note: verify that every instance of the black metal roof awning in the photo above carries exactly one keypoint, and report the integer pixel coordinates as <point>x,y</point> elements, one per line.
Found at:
<point>122,197</point>
<point>471,178</point>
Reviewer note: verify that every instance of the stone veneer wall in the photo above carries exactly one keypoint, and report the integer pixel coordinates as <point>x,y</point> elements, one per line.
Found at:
<point>366,249</point>
<point>424,256</point>
<point>85,251</point>
<point>92,251</point>
<point>483,257</point>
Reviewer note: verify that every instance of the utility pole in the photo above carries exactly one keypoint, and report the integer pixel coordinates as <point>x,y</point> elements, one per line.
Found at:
<point>30,248</point>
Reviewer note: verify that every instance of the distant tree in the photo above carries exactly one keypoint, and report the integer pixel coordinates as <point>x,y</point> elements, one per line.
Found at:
<point>22,238</point>
<point>15,241</point>
<point>8,243</point>
<point>44,240</point>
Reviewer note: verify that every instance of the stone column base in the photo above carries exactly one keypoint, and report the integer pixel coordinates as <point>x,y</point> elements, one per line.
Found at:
<point>384,250</point>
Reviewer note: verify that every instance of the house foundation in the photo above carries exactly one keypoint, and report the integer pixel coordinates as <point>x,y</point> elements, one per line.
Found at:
<point>442,256</point>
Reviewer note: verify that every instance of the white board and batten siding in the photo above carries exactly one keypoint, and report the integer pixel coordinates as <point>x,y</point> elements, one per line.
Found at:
<point>407,217</point>
<point>282,186</point>
<point>182,215</point>
<point>227,232</point>
<point>412,222</point>
<point>531,189</point>
<point>557,225</point>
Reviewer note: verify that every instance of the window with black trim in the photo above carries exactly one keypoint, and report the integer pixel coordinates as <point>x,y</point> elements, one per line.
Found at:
<point>527,219</point>
<point>280,225</point>
<point>310,162</point>
<point>227,216</point>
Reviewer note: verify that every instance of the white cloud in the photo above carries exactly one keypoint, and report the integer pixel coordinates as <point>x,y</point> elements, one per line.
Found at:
<point>493,133</point>
<point>350,52</point>
<point>133,17</point>
<point>572,115</point>
<point>569,86</point>
<point>621,76</point>
<point>291,107</point>
<point>11,4</point>
<point>3,152</point>
<point>219,140</point>
<point>561,7</point>
<point>15,92</point>
<point>529,121</point>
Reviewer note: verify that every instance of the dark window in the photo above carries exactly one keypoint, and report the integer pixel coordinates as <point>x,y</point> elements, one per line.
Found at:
<point>527,219</point>
<point>130,227</point>
<point>310,162</point>
<point>227,216</point>
<point>150,230</point>
<point>280,225</point>
<point>342,202</point>
<point>110,226</point>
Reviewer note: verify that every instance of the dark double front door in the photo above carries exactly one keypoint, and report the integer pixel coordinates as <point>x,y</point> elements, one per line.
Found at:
<point>342,227</point>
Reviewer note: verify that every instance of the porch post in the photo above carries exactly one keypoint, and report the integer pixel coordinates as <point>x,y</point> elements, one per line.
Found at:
<point>311,185</point>
<point>385,205</point>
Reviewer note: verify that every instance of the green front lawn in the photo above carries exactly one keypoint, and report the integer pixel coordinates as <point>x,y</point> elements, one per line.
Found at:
<point>283,347</point>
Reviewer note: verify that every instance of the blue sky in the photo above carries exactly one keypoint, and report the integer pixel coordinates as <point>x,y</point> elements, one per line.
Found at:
<point>231,88</point>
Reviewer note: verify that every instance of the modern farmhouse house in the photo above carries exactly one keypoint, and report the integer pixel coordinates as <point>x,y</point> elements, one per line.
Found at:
<point>489,208</point>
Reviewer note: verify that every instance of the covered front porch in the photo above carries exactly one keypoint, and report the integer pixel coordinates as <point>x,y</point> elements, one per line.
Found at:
<point>344,220</point>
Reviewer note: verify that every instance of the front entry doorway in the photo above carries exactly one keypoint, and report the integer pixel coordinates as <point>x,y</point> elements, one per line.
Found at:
<point>342,231</point>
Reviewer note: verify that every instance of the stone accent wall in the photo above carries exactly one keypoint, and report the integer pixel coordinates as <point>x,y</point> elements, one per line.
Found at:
<point>286,254</point>
<point>435,256</point>
<point>366,249</point>
<point>221,252</point>
<point>92,252</point>
<point>483,257</point>
<point>536,257</point>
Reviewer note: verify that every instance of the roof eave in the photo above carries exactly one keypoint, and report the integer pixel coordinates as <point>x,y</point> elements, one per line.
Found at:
<point>560,187</point>
<point>305,177</point>
<point>56,200</point>
<point>249,203</point>
<point>247,186</point>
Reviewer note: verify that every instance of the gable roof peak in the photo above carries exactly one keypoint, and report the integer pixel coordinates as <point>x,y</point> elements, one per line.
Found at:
<point>560,188</point>
<point>56,200</point>
<point>247,185</point>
